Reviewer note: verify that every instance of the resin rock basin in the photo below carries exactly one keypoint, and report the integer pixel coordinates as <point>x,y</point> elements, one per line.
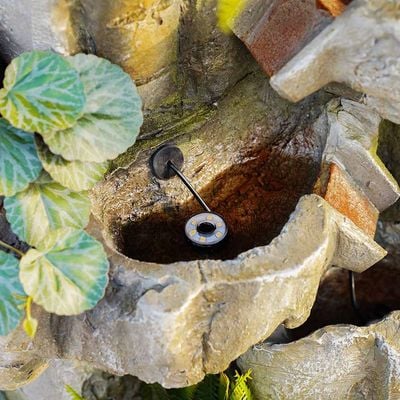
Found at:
<point>338,361</point>
<point>172,314</point>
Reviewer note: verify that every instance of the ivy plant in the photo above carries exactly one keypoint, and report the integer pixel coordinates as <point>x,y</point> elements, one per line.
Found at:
<point>62,120</point>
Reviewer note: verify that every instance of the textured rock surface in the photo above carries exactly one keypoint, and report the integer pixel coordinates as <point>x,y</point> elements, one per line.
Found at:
<point>174,321</point>
<point>336,362</point>
<point>368,62</point>
<point>172,48</point>
<point>275,30</point>
<point>197,314</point>
<point>51,384</point>
<point>352,143</point>
<point>342,193</point>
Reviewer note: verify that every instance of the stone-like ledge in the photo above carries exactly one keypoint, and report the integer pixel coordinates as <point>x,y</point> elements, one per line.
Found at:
<point>174,323</point>
<point>369,62</point>
<point>336,362</point>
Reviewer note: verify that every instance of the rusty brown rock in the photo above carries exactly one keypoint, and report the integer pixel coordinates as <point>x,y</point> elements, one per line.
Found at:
<point>284,28</point>
<point>360,48</point>
<point>342,193</point>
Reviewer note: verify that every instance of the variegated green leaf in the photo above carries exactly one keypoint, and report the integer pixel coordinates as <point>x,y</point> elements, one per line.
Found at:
<point>11,294</point>
<point>67,273</point>
<point>75,175</point>
<point>112,115</point>
<point>42,92</point>
<point>19,163</point>
<point>44,206</point>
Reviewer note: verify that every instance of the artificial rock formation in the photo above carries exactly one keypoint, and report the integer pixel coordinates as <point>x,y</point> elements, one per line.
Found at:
<point>336,362</point>
<point>198,316</point>
<point>368,62</point>
<point>51,384</point>
<point>175,319</point>
<point>172,314</point>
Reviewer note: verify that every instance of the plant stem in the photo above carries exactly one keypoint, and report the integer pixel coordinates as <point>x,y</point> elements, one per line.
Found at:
<point>28,308</point>
<point>12,248</point>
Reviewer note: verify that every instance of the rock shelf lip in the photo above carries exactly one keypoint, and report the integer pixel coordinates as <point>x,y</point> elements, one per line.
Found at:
<point>352,361</point>
<point>364,63</point>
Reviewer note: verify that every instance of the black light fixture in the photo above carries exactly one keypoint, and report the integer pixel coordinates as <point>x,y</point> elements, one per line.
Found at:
<point>206,229</point>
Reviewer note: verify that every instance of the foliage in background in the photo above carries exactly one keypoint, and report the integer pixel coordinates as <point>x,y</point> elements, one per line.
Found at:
<point>73,393</point>
<point>63,118</point>
<point>213,387</point>
<point>227,12</point>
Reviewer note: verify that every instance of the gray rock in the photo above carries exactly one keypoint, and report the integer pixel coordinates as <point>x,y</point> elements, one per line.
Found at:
<point>360,48</point>
<point>51,384</point>
<point>336,362</point>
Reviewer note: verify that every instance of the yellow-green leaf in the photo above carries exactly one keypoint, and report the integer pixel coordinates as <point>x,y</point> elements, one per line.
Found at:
<point>73,393</point>
<point>42,92</point>
<point>44,206</point>
<point>75,175</point>
<point>68,272</point>
<point>19,162</point>
<point>241,390</point>
<point>112,116</point>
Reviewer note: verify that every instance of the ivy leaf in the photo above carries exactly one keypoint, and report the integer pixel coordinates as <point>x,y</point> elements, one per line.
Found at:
<point>68,272</point>
<point>19,163</point>
<point>112,115</point>
<point>73,393</point>
<point>11,294</point>
<point>44,206</point>
<point>241,390</point>
<point>42,92</point>
<point>75,175</point>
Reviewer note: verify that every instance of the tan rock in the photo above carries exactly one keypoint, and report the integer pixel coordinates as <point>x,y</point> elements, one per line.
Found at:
<point>360,48</point>
<point>172,314</point>
<point>352,143</point>
<point>336,362</point>
<point>198,316</point>
<point>51,383</point>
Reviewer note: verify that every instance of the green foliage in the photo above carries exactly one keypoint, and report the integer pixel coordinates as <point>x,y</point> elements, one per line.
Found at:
<point>19,164</point>
<point>74,175</point>
<point>53,275</point>
<point>11,294</point>
<point>227,12</point>
<point>46,206</point>
<point>73,393</point>
<point>62,119</point>
<point>213,387</point>
<point>239,389</point>
<point>111,118</point>
<point>42,92</point>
